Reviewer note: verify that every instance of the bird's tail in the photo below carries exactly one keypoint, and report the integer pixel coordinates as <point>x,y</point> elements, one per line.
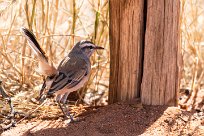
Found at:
<point>34,44</point>
<point>44,67</point>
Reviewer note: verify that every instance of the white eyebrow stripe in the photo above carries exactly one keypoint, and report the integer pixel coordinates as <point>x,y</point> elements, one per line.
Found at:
<point>87,45</point>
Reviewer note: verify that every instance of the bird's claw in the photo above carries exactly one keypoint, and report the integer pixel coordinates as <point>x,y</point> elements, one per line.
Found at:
<point>67,114</point>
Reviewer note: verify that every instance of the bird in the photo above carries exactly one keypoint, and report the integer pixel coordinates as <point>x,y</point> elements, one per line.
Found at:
<point>71,74</point>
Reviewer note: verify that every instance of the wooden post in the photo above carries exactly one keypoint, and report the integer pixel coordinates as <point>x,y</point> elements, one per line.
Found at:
<point>126,40</point>
<point>160,81</point>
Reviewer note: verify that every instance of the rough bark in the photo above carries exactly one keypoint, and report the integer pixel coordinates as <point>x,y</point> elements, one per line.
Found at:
<point>126,40</point>
<point>160,81</point>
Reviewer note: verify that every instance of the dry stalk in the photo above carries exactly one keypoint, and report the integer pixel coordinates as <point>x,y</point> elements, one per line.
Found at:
<point>57,26</point>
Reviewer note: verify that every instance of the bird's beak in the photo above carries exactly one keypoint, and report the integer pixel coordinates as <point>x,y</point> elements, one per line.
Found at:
<point>98,47</point>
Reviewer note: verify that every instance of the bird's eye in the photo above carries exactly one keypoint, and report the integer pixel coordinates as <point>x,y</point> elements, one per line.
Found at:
<point>90,47</point>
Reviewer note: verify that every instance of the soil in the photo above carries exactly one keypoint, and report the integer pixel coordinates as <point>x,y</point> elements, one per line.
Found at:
<point>120,119</point>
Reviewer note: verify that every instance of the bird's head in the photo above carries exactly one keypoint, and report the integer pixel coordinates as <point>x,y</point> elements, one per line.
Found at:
<point>86,47</point>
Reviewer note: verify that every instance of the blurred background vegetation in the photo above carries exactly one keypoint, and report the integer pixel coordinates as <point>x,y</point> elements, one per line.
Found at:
<point>192,42</point>
<point>58,25</point>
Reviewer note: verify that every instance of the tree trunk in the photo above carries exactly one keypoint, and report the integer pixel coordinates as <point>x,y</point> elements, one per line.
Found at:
<point>144,51</point>
<point>126,40</point>
<point>160,81</point>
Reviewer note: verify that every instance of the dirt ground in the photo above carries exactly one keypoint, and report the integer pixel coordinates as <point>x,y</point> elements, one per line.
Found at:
<point>120,119</point>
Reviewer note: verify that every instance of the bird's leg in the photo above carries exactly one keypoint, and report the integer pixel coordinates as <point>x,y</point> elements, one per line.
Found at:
<point>66,112</point>
<point>61,102</point>
<point>62,109</point>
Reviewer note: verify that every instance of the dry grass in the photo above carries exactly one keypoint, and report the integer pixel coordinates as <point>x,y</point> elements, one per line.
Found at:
<point>192,42</point>
<point>57,24</point>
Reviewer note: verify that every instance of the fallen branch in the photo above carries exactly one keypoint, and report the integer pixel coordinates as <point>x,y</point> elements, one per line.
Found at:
<point>12,111</point>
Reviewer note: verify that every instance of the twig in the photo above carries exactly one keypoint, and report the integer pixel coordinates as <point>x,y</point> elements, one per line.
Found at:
<point>12,112</point>
<point>12,124</point>
<point>31,112</point>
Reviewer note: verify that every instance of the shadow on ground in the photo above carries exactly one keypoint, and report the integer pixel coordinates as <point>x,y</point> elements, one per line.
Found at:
<point>117,119</point>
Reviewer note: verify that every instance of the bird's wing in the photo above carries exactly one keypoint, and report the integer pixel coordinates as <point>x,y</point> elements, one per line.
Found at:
<point>71,72</point>
<point>45,68</point>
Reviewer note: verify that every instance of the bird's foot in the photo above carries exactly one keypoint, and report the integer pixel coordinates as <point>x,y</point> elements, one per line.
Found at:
<point>70,118</point>
<point>68,121</point>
